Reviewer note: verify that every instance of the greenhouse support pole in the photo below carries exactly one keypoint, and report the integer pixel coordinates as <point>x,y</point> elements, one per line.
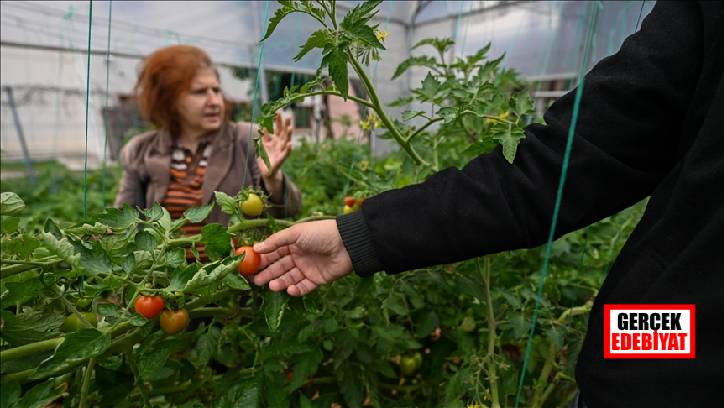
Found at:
<point>21,135</point>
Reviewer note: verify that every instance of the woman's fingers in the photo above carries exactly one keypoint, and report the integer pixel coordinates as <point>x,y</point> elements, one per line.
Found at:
<point>278,122</point>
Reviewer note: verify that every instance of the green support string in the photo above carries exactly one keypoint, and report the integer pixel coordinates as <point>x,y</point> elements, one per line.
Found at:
<point>641,12</point>
<point>87,103</point>
<point>255,98</point>
<point>594,11</point>
<point>108,128</point>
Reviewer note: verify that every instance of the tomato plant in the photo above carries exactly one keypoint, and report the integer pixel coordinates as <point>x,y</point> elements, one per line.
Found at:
<point>149,306</point>
<point>250,264</point>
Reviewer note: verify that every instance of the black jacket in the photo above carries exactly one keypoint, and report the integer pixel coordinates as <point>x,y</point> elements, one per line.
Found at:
<point>651,124</point>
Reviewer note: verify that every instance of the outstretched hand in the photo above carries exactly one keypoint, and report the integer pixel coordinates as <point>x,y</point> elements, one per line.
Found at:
<point>277,146</point>
<point>302,257</point>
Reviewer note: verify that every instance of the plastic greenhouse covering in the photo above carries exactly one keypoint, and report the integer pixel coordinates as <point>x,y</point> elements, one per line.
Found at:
<point>45,47</point>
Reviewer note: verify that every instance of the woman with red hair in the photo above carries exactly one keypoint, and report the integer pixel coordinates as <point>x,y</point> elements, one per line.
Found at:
<point>195,150</point>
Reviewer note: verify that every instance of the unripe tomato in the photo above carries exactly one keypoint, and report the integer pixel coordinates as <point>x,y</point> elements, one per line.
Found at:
<point>250,265</point>
<point>347,209</point>
<point>149,306</point>
<point>468,324</point>
<point>72,322</point>
<point>418,359</point>
<point>173,322</point>
<point>252,206</point>
<point>349,201</point>
<point>407,365</point>
<point>83,302</point>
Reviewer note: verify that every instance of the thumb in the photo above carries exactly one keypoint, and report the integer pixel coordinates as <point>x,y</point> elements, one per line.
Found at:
<point>275,241</point>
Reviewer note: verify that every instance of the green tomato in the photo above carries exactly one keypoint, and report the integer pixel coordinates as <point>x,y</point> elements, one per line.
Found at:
<point>252,206</point>
<point>468,324</point>
<point>83,302</point>
<point>408,365</point>
<point>72,322</point>
<point>418,359</point>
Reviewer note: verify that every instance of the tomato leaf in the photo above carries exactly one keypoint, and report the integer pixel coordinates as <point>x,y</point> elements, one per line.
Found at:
<point>423,60</point>
<point>429,88</point>
<point>9,224</point>
<point>216,241</point>
<point>274,305</point>
<point>180,276</point>
<point>279,15</point>
<point>10,394</point>
<point>95,261</point>
<point>509,140</point>
<point>205,348</point>
<point>60,247</point>
<point>20,292</point>
<point>29,327</point>
<point>244,394</point>
<point>108,309</point>
<point>198,214</point>
<point>137,320</point>
<point>11,204</point>
<point>77,346</point>
<point>440,44</point>
<point>119,218</point>
<point>203,277</point>
<point>360,15</point>
<point>408,115</point>
<point>40,395</point>
<point>305,367</point>
<point>235,281</point>
<point>319,39</point>
<point>175,258</point>
<point>154,213</point>
<point>145,241</point>
<point>151,363</point>
<point>227,204</point>
<point>351,383</point>
<point>448,114</point>
<point>336,62</point>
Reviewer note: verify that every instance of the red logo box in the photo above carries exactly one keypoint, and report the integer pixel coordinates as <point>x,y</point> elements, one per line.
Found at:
<point>649,331</point>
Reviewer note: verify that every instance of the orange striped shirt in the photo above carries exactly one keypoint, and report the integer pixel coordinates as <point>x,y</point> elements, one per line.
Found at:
<point>184,189</point>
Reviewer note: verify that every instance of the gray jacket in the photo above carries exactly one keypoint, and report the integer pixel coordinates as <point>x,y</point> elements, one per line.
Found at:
<point>146,162</point>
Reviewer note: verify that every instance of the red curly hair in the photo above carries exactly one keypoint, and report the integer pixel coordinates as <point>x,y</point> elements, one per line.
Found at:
<point>165,75</point>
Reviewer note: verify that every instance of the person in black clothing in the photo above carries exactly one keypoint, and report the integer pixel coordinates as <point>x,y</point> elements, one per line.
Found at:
<point>651,124</point>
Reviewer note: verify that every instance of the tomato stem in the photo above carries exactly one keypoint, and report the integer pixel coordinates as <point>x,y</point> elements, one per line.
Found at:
<point>86,382</point>
<point>492,369</point>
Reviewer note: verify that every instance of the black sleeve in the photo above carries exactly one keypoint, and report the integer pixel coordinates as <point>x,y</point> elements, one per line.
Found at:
<point>630,119</point>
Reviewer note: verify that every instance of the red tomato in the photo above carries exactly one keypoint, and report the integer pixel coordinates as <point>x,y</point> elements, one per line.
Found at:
<point>250,265</point>
<point>173,322</point>
<point>349,201</point>
<point>149,306</point>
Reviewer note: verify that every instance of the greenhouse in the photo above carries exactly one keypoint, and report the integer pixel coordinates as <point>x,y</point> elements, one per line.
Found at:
<point>361,203</point>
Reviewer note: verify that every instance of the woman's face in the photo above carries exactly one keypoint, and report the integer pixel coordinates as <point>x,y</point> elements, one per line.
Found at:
<point>201,108</point>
